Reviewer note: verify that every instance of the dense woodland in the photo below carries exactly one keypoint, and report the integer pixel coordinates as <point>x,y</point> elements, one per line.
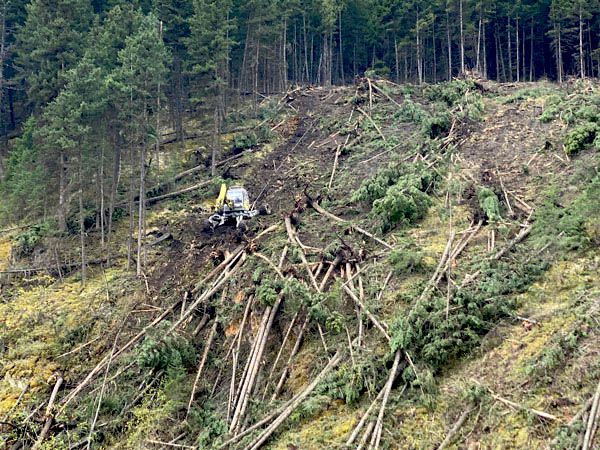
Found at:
<point>87,85</point>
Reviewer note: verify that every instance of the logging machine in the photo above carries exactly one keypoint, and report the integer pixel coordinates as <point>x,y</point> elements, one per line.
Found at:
<point>233,205</point>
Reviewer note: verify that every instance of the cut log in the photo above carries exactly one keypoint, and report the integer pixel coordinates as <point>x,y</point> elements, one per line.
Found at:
<point>49,412</point>
<point>388,388</point>
<point>589,431</point>
<point>454,430</point>
<point>257,443</point>
<point>320,210</point>
<point>201,366</point>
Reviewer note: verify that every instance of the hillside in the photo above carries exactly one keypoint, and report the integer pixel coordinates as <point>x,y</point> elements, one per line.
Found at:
<point>432,251</point>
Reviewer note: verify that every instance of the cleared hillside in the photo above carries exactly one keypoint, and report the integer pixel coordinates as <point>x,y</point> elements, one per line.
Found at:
<point>446,235</point>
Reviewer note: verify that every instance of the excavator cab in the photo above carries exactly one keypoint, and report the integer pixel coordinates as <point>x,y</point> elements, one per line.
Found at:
<point>236,199</point>
<point>233,204</point>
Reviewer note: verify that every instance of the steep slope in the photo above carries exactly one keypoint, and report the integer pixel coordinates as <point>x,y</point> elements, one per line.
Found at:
<point>476,274</point>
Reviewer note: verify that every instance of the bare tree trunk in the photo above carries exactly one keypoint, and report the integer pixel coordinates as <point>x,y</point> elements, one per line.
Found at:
<point>581,64</point>
<point>341,52</point>
<point>531,53</point>
<point>102,198</point>
<point>305,49</point>
<point>558,51</point>
<point>419,62</point>
<point>510,65</point>
<point>131,198</point>
<point>178,102</point>
<point>284,57</point>
<point>396,55</point>
<point>81,223</point>
<point>449,46</point>
<point>477,59</point>
<point>141,209</point>
<point>62,207</point>
<point>485,67</point>
<point>434,51</point>
<point>3,51</point>
<point>462,39</point>
<point>216,143</point>
<point>113,193</point>
<point>518,55</point>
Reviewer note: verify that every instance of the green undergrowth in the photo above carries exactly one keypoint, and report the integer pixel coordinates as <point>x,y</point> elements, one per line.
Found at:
<point>578,108</point>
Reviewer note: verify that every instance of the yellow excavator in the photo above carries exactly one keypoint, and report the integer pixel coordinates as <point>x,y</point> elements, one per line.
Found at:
<point>233,205</point>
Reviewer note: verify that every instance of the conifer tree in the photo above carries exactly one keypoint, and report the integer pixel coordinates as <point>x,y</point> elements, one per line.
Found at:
<point>208,48</point>
<point>51,42</point>
<point>143,64</point>
<point>70,126</point>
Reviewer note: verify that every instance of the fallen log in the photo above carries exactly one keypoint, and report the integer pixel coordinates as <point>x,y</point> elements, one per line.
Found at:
<point>454,430</point>
<point>366,311</point>
<point>363,419</point>
<point>257,443</point>
<point>49,412</point>
<point>102,364</point>
<point>201,366</point>
<point>320,210</point>
<point>388,388</point>
<point>589,431</point>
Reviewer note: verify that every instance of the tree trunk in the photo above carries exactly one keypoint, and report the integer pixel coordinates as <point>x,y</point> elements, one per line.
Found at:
<point>485,67</point>
<point>449,46</point>
<point>3,52</point>
<point>216,143</point>
<point>531,54</point>
<point>341,52</point>
<point>62,207</point>
<point>113,193</point>
<point>462,39</point>
<point>81,223</point>
<point>477,59</point>
<point>558,52</point>
<point>581,65</point>
<point>101,176</point>
<point>419,65</point>
<point>141,210</point>
<point>518,55</point>
<point>131,198</point>
<point>307,80</point>
<point>434,51</point>
<point>284,80</point>
<point>397,62</point>
<point>510,66</point>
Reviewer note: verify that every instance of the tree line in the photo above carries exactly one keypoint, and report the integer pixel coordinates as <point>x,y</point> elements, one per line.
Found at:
<point>86,85</point>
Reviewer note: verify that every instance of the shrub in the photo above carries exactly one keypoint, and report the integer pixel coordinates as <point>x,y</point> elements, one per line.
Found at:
<point>403,203</point>
<point>245,141</point>
<point>489,203</point>
<point>543,366</point>
<point>406,260</point>
<point>26,242</point>
<point>450,92</point>
<point>169,352</point>
<point>580,137</point>
<point>411,112</point>
<point>437,125</point>
<point>434,338</point>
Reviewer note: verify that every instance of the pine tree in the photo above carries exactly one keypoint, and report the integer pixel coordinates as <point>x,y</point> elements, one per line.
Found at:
<point>70,126</point>
<point>22,188</point>
<point>142,66</point>
<point>51,42</point>
<point>208,47</point>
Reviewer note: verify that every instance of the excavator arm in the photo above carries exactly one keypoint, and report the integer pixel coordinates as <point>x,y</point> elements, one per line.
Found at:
<point>220,201</point>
